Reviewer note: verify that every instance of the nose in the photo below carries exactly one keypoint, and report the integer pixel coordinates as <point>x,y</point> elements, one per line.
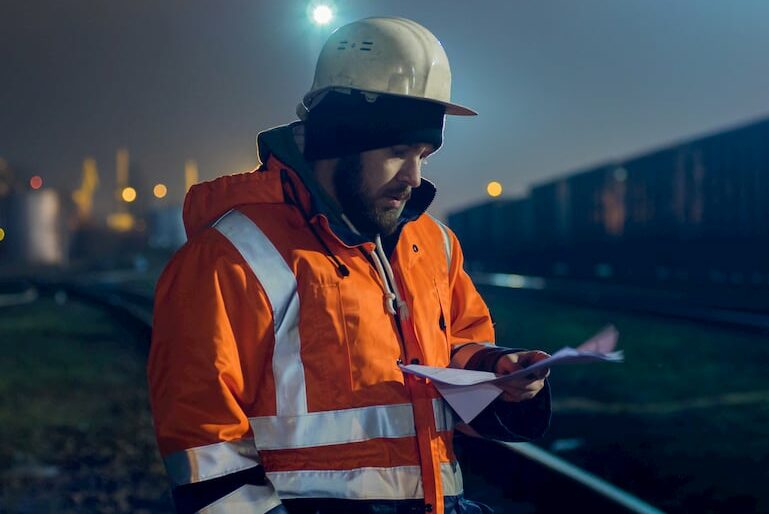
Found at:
<point>411,172</point>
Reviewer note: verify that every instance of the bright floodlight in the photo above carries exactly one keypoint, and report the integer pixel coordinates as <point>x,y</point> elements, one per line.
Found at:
<point>322,14</point>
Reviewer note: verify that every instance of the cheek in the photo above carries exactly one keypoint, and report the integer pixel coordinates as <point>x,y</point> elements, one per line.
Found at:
<point>379,169</point>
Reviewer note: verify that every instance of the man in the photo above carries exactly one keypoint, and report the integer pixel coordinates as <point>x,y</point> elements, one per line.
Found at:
<point>280,324</point>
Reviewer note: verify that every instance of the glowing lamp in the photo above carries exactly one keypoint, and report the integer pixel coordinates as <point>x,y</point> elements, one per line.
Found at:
<point>494,188</point>
<point>128,194</point>
<point>160,190</point>
<point>322,14</point>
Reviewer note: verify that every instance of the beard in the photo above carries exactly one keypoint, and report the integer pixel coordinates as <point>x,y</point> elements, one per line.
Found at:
<point>359,205</point>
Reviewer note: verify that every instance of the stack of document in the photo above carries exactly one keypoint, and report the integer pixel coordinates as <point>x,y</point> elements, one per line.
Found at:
<point>469,392</point>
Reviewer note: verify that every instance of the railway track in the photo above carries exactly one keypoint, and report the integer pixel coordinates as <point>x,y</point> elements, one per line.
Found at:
<point>614,296</point>
<point>512,478</point>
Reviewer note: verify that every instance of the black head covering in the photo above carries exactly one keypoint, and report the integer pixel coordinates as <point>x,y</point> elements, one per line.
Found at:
<point>348,123</point>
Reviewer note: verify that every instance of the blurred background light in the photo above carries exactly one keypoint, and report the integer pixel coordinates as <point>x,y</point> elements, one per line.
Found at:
<point>2,234</point>
<point>128,194</point>
<point>120,221</point>
<point>494,188</point>
<point>322,14</point>
<point>191,175</point>
<point>160,190</point>
<point>36,182</point>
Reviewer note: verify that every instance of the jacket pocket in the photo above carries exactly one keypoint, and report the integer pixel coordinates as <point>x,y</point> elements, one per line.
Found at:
<point>444,315</point>
<point>328,324</point>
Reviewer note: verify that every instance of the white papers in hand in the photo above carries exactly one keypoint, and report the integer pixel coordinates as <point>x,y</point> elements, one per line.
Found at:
<point>469,392</point>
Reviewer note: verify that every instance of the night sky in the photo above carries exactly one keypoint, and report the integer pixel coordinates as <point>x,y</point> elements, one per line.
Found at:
<point>559,85</point>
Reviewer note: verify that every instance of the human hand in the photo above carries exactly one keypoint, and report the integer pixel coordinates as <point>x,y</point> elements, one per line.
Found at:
<point>525,387</point>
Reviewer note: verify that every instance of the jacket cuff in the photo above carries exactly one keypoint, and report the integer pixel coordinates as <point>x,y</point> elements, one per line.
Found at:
<point>515,421</point>
<point>486,359</point>
<point>510,421</point>
<point>191,498</point>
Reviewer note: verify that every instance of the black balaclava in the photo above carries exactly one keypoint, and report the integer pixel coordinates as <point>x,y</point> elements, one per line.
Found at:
<point>347,123</point>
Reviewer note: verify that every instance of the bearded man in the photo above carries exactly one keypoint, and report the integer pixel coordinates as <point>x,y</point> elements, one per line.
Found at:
<point>280,325</point>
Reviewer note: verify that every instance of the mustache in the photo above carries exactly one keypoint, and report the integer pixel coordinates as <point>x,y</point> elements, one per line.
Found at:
<point>401,193</point>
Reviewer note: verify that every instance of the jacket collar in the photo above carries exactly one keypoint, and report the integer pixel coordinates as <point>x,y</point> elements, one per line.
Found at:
<point>278,148</point>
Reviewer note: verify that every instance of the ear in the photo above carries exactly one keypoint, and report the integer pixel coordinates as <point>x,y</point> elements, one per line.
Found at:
<point>323,172</point>
<point>324,166</point>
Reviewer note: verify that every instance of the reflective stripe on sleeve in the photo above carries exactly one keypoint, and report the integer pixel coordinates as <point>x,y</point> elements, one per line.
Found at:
<point>211,461</point>
<point>248,499</point>
<point>397,483</point>
<point>279,284</point>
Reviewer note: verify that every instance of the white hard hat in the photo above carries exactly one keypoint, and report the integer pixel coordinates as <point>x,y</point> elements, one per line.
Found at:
<point>393,56</point>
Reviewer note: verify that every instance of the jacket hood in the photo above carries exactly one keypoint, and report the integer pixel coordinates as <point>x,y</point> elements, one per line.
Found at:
<point>208,201</point>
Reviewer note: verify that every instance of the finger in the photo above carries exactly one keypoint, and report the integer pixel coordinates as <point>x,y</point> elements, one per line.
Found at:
<point>518,397</point>
<point>524,388</point>
<point>540,374</point>
<point>521,382</point>
<point>529,358</point>
<point>508,364</point>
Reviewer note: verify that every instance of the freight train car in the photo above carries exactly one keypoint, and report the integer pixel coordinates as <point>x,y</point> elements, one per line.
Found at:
<point>694,213</point>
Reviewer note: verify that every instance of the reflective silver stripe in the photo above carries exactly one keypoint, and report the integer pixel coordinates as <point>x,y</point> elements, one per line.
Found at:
<point>333,427</point>
<point>344,426</point>
<point>398,483</point>
<point>248,499</point>
<point>279,283</point>
<point>211,461</point>
<point>446,241</point>
<point>445,419</point>
<point>451,477</point>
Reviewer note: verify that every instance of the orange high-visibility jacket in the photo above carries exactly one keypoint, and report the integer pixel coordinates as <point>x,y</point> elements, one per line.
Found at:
<point>264,353</point>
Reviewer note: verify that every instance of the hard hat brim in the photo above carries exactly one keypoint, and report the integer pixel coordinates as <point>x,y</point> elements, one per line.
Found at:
<point>452,109</point>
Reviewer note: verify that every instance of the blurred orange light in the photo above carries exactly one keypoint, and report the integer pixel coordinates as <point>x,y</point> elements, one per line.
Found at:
<point>128,194</point>
<point>2,234</point>
<point>121,221</point>
<point>36,182</point>
<point>494,188</point>
<point>160,190</point>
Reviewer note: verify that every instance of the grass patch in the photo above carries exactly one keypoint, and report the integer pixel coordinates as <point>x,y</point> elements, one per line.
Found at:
<point>75,429</point>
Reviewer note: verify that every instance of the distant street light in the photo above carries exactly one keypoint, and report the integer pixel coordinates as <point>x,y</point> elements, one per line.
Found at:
<point>322,14</point>
<point>494,188</point>
<point>2,234</point>
<point>128,194</point>
<point>160,190</point>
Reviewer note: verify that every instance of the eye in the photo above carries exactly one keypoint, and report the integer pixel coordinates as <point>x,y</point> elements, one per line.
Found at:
<point>399,151</point>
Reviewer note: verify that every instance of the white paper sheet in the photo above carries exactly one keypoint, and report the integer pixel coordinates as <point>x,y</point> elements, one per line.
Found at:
<point>469,392</point>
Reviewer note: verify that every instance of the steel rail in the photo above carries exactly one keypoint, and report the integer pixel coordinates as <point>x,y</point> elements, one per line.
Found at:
<point>621,297</point>
<point>587,479</point>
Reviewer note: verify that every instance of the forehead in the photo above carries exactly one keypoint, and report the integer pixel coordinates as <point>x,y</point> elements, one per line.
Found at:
<point>417,147</point>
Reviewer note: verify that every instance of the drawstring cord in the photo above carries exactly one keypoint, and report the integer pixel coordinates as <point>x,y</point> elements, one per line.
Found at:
<point>392,295</point>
